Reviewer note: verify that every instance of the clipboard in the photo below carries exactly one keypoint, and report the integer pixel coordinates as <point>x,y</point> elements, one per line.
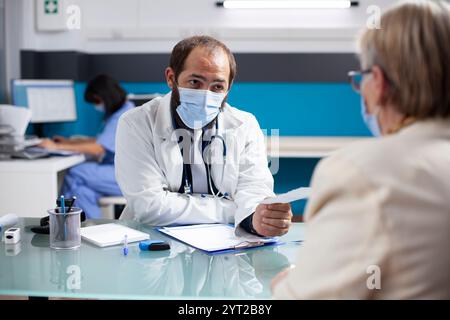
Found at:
<point>215,238</point>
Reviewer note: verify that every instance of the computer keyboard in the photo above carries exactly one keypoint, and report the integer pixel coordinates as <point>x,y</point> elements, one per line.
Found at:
<point>30,154</point>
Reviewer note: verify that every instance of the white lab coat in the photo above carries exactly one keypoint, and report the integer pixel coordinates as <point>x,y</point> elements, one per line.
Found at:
<point>149,168</point>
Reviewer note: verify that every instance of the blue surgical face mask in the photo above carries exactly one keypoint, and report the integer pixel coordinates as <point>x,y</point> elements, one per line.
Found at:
<point>199,107</point>
<point>100,107</point>
<point>371,120</point>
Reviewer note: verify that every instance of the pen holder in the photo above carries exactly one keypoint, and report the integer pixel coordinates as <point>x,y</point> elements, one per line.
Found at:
<point>65,229</point>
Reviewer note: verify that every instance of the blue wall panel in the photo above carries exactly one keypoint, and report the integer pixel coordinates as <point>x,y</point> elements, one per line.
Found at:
<point>302,109</point>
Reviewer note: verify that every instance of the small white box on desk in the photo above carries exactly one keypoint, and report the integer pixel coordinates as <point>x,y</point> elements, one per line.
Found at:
<point>12,235</point>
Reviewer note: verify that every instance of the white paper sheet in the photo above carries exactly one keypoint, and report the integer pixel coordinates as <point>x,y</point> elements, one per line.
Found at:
<point>213,237</point>
<point>293,195</point>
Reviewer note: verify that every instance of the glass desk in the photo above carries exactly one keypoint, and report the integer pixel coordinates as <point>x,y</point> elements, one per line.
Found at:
<point>31,268</point>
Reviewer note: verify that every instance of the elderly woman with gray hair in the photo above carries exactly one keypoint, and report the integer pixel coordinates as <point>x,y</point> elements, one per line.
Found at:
<point>378,221</point>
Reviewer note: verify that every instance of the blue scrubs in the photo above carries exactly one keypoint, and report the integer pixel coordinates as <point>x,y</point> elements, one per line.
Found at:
<point>90,181</point>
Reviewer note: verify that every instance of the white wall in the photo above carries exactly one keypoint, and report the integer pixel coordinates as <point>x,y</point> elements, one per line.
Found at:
<point>156,25</point>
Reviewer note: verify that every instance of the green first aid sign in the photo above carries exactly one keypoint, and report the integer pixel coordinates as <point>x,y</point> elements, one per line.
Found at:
<point>51,6</point>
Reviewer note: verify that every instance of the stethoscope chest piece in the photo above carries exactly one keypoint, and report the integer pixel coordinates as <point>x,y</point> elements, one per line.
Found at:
<point>187,188</point>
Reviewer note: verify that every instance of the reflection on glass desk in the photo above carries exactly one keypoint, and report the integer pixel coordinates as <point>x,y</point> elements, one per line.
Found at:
<point>31,268</point>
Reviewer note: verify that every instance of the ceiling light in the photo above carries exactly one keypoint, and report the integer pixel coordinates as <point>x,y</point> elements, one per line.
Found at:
<point>287,4</point>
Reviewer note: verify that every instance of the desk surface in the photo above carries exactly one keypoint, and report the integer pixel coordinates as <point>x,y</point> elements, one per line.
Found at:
<point>51,164</point>
<point>33,269</point>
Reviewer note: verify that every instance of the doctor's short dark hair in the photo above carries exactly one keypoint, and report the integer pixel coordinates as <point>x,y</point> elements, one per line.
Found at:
<point>107,89</point>
<point>183,48</point>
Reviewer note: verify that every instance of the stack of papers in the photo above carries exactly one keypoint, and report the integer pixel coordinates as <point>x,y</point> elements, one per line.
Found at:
<point>214,238</point>
<point>15,118</point>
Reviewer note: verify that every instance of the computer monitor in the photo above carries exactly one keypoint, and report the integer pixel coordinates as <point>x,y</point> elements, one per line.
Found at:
<point>48,100</point>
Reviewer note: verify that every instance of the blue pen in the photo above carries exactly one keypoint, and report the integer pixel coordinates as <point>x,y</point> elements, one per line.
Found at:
<point>125,245</point>
<point>63,207</point>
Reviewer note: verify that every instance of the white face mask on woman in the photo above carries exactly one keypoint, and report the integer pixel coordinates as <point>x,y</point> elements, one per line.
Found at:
<point>199,107</point>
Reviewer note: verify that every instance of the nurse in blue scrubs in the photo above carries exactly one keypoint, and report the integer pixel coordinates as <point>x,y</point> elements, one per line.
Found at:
<point>95,178</point>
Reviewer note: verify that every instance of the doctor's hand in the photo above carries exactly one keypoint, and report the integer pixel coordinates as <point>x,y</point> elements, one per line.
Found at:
<point>272,220</point>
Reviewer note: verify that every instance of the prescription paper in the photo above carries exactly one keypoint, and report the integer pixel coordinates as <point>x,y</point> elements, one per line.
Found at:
<point>214,237</point>
<point>293,195</point>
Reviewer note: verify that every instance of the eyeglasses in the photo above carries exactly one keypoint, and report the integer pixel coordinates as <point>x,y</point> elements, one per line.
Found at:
<point>356,77</point>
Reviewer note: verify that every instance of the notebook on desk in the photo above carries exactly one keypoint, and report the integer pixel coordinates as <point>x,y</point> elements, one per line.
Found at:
<point>110,234</point>
<point>215,238</point>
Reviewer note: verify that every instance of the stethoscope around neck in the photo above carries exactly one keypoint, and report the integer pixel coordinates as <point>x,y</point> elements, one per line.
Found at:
<point>187,185</point>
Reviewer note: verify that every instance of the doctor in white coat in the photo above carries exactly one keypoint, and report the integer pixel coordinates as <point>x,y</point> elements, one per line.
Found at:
<point>189,157</point>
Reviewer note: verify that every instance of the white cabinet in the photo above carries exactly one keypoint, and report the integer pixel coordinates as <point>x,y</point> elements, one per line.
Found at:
<point>29,188</point>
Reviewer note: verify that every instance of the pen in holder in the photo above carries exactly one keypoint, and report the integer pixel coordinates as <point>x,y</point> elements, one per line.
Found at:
<point>65,228</point>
